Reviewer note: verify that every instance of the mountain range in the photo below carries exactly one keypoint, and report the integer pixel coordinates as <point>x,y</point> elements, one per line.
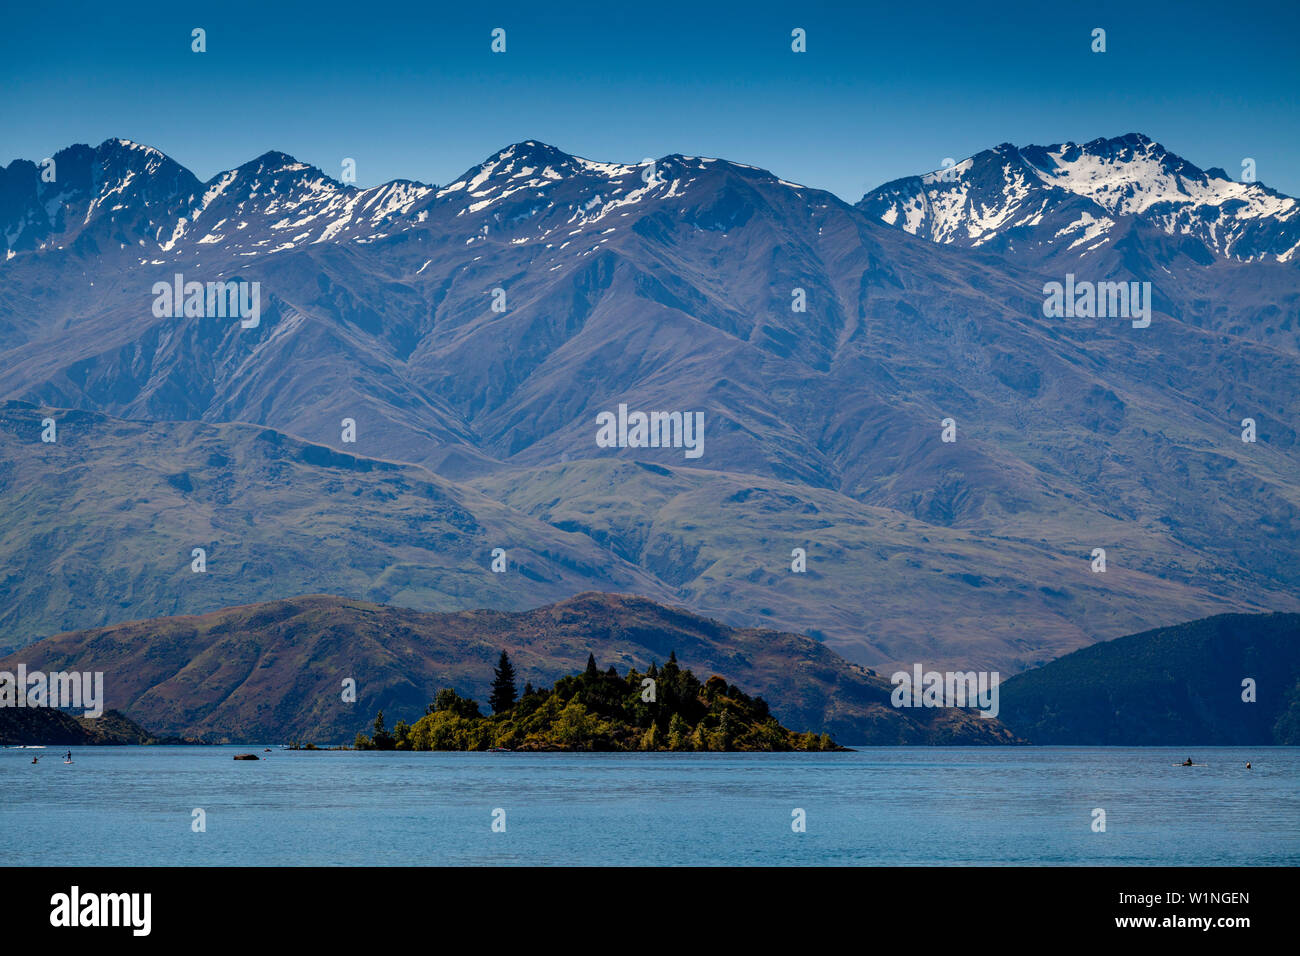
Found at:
<point>473,333</point>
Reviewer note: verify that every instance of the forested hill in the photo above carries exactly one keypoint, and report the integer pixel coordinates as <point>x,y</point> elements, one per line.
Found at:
<point>1172,685</point>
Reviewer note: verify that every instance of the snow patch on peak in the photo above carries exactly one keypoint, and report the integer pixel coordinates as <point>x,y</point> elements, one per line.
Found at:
<point>130,146</point>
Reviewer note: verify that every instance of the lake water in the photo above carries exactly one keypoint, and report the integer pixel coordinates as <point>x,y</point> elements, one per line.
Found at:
<point>896,806</point>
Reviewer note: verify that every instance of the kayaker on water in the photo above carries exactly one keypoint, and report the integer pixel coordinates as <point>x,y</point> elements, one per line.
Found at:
<point>1188,762</point>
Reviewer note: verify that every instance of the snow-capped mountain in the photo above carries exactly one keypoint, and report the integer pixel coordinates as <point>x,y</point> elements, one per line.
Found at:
<point>274,203</point>
<point>551,190</point>
<point>122,189</point>
<point>1079,198</point>
<point>144,200</point>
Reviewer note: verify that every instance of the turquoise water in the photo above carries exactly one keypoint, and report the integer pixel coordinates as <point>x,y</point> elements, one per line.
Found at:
<point>1033,805</point>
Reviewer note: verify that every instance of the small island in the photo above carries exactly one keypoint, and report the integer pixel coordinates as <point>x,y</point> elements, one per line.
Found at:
<point>664,709</point>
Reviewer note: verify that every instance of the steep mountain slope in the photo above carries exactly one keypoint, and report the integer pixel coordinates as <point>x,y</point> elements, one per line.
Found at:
<point>100,527</point>
<point>276,670</point>
<point>1171,686</point>
<point>880,588</point>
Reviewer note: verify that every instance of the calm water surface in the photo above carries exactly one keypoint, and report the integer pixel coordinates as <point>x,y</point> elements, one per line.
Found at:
<point>897,806</point>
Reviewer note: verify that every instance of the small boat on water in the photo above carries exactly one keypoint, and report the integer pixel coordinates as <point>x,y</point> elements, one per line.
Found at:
<point>247,757</point>
<point>499,750</point>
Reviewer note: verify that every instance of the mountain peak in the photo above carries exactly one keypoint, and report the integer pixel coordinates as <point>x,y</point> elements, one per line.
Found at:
<point>526,165</point>
<point>121,160</point>
<point>1131,139</point>
<point>1128,146</point>
<point>274,161</point>
<point>531,149</point>
<point>118,145</point>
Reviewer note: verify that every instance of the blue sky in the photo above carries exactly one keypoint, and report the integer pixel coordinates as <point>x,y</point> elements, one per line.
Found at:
<point>411,90</point>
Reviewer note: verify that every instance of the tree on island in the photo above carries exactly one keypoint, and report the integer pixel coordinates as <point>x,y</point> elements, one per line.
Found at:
<point>503,695</point>
<point>448,700</point>
<point>382,739</point>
